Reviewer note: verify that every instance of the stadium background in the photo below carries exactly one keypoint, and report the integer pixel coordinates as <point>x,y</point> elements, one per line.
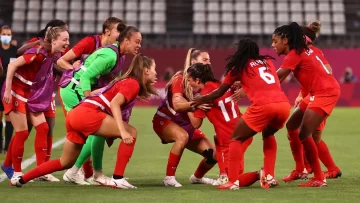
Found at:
<point>169,28</point>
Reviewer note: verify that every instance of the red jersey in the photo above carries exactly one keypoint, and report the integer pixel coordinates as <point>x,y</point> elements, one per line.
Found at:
<point>320,54</point>
<point>260,83</point>
<point>85,46</point>
<point>310,71</point>
<point>37,38</point>
<point>224,114</point>
<point>128,87</point>
<point>29,70</point>
<point>175,87</point>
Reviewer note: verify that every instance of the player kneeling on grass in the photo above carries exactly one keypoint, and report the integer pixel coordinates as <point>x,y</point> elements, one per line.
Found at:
<point>268,112</point>
<point>110,110</point>
<point>224,115</point>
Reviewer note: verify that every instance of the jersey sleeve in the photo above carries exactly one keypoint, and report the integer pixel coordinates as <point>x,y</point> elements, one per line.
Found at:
<point>229,79</point>
<point>28,58</point>
<point>199,113</point>
<point>291,61</point>
<point>84,46</point>
<point>103,64</point>
<point>176,86</point>
<point>32,40</point>
<point>129,88</point>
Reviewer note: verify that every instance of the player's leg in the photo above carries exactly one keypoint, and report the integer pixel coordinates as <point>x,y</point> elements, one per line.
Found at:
<point>42,129</point>
<point>9,131</point>
<point>312,119</point>
<point>201,145</point>
<point>1,130</point>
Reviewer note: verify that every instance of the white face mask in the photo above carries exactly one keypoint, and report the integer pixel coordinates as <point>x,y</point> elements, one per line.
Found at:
<point>5,39</point>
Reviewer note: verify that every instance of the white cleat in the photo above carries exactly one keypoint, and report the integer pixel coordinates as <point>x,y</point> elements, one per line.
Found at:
<point>48,178</point>
<point>74,178</point>
<point>101,180</point>
<point>15,181</point>
<point>171,181</point>
<point>121,183</point>
<point>221,180</point>
<point>203,180</point>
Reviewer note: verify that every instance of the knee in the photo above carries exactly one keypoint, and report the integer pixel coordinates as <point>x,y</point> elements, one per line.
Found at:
<point>133,132</point>
<point>66,163</point>
<point>209,155</point>
<point>317,136</point>
<point>182,139</point>
<point>304,133</point>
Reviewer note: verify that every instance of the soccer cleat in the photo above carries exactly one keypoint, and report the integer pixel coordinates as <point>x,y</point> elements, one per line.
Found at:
<point>48,178</point>
<point>74,178</point>
<point>221,180</point>
<point>229,186</point>
<point>332,174</point>
<point>121,183</point>
<point>267,181</point>
<point>9,171</point>
<point>171,181</point>
<point>203,180</point>
<point>313,183</point>
<point>15,181</point>
<point>101,180</point>
<point>294,175</point>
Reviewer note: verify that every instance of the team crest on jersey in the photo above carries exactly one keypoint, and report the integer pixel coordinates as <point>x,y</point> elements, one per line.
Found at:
<point>16,103</point>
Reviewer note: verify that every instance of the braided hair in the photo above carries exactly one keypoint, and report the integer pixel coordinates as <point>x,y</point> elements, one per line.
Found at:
<point>295,36</point>
<point>247,49</point>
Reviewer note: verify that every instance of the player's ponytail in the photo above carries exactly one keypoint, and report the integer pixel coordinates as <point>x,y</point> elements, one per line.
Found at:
<point>295,36</point>
<point>202,71</point>
<point>247,49</point>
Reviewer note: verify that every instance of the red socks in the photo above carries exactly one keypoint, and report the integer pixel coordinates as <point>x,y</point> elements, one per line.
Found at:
<point>220,156</point>
<point>313,157</point>
<point>88,169</point>
<point>17,149</point>
<point>42,131</point>
<point>269,148</point>
<point>296,149</point>
<point>236,154</point>
<point>173,162</point>
<point>45,168</point>
<point>49,147</point>
<point>202,169</point>
<point>325,156</point>
<point>248,179</point>
<point>245,145</point>
<point>123,157</point>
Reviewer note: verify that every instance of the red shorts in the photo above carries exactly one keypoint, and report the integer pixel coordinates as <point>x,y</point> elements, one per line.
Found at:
<point>79,125</point>
<point>303,106</point>
<point>159,123</point>
<point>273,114</point>
<point>326,103</point>
<point>52,111</point>
<point>18,100</point>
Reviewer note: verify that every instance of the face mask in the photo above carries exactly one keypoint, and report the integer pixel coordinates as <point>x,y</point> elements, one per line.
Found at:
<point>5,39</point>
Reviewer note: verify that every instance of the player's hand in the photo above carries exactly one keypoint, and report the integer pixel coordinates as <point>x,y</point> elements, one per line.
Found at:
<point>127,138</point>
<point>238,94</point>
<point>143,99</point>
<point>197,100</point>
<point>236,85</point>
<point>204,107</point>
<point>7,96</point>
<point>298,101</point>
<point>76,64</point>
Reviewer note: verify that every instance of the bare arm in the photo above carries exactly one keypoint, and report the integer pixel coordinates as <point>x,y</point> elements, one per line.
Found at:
<point>27,46</point>
<point>213,95</point>
<point>283,73</point>
<point>115,104</point>
<point>195,122</point>
<point>180,104</point>
<point>64,61</point>
<point>328,67</point>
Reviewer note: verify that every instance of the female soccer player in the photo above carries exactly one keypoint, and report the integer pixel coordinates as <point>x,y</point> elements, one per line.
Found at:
<point>268,112</point>
<point>108,109</point>
<point>81,81</point>
<point>312,31</point>
<point>224,115</point>
<point>316,80</point>
<point>171,123</point>
<point>22,73</point>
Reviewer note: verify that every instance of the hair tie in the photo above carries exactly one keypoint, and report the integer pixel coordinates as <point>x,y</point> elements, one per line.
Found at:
<point>308,39</point>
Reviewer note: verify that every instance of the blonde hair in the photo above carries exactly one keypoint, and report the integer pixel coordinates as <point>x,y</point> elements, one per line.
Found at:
<point>53,33</point>
<point>315,27</point>
<point>136,70</point>
<point>191,55</point>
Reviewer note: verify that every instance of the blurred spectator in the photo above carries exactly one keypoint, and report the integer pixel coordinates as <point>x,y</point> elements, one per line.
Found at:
<point>169,72</point>
<point>7,54</point>
<point>348,76</point>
